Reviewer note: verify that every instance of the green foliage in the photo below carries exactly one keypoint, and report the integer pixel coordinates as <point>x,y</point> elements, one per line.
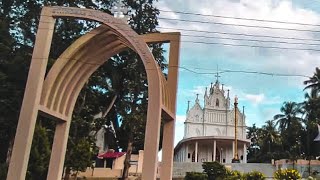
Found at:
<point>195,176</point>
<point>39,155</point>
<point>80,155</point>
<point>214,170</point>
<point>3,170</point>
<point>234,175</point>
<point>122,76</point>
<point>287,174</point>
<point>254,175</point>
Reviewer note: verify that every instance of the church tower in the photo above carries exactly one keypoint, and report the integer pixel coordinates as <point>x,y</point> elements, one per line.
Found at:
<point>210,128</point>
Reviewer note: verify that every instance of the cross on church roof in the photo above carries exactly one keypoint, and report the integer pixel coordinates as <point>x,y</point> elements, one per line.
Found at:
<point>217,75</point>
<point>119,10</point>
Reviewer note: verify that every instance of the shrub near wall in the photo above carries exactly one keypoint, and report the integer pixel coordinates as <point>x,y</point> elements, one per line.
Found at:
<point>234,175</point>
<point>254,175</point>
<point>195,176</point>
<point>214,170</point>
<point>287,174</point>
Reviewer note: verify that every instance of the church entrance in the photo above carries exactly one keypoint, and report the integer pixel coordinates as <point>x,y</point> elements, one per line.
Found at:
<point>217,155</point>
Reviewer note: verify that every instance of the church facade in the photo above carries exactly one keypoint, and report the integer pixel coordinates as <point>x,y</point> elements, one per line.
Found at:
<point>209,131</point>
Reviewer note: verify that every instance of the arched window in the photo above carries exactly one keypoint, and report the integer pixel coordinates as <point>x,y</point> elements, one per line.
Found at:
<point>217,102</point>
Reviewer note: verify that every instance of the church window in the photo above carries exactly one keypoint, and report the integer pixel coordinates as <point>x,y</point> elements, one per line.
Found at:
<point>188,155</point>
<point>217,102</point>
<point>197,118</point>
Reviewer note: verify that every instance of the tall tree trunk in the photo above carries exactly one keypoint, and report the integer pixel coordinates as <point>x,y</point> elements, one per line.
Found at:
<point>126,164</point>
<point>9,152</point>
<point>105,113</point>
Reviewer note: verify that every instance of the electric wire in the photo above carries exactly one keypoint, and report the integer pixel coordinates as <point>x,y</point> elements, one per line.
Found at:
<point>203,73</point>
<point>240,25</point>
<point>230,33</point>
<point>240,18</point>
<point>239,34</point>
<point>236,45</point>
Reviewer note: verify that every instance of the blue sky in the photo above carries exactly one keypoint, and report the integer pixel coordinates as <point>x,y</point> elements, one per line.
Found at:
<point>261,95</point>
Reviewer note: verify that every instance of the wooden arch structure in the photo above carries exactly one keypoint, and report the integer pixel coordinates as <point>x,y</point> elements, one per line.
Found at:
<point>56,95</point>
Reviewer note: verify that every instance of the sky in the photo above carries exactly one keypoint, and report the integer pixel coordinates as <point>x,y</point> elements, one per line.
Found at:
<point>262,95</point>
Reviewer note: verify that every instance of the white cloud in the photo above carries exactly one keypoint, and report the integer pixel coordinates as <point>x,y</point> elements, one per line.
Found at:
<point>181,118</point>
<point>255,98</point>
<point>272,60</point>
<point>179,130</point>
<point>262,95</point>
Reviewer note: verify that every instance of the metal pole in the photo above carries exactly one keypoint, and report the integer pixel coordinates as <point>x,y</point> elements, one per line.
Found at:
<point>236,158</point>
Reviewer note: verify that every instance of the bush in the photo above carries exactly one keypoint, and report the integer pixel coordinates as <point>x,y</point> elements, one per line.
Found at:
<point>195,176</point>
<point>254,175</point>
<point>3,171</point>
<point>214,170</point>
<point>234,175</point>
<point>287,174</point>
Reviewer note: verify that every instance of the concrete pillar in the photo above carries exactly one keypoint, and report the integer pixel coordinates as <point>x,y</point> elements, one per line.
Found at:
<point>233,149</point>
<point>244,153</point>
<point>168,128</point>
<point>140,161</point>
<point>58,152</point>
<point>168,150</point>
<point>196,152</point>
<point>214,150</point>
<point>221,150</point>
<point>151,143</point>
<point>209,154</point>
<point>30,105</point>
<point>187,152</point>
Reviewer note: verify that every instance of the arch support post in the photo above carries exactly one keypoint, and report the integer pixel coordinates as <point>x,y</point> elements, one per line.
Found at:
<point>58,152</point>
<point>151,144</point>
<point>169,126</point>
<point>30,105</point>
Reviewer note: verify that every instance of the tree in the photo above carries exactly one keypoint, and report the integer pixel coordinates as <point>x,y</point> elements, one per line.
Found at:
<point>13,70</point>
<point>290,127</point>
<point>311,111</point>
<point>40,154</point>
<point>290,112</point>
<point>16,49</point>
<point>133,96</point>
<point>121,81</point>
<point>269,134</point>
<point>314,81</point>
<point>253,135</point>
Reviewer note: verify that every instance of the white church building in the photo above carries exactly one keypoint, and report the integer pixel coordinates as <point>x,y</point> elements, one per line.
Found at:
<point>209,131</point>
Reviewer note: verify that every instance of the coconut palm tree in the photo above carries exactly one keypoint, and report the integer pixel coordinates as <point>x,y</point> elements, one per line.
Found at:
<point>314,81</point>
<point>290,112</point>
<point>270,134</point>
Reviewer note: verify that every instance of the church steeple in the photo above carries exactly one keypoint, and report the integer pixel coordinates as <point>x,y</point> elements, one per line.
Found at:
<point>228,99</point>
<point>205,93</point>
<point>197,99</point>
<point>217,78</point>
<point>188,108</point>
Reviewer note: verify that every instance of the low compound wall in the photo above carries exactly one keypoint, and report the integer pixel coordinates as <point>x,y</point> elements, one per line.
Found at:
<point>180,168</point>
